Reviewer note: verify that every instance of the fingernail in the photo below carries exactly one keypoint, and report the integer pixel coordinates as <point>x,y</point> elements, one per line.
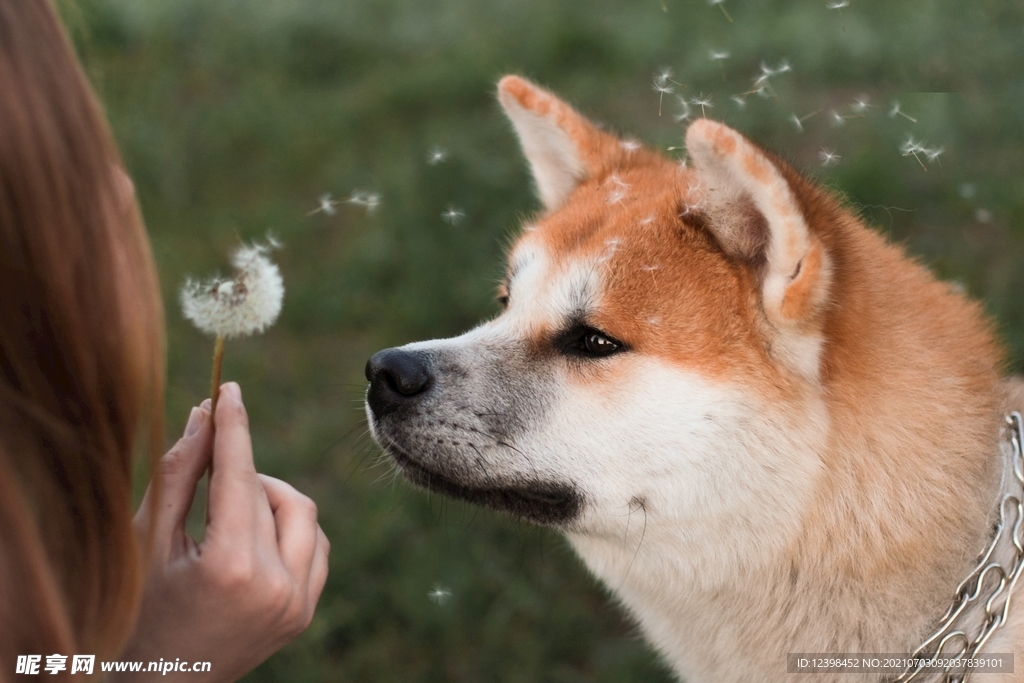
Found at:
<point>195,420</point>
<point>234,391</point>
<point>206,405</point>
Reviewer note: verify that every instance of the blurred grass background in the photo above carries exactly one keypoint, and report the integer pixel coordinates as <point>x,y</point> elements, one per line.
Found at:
<point>234,116</point>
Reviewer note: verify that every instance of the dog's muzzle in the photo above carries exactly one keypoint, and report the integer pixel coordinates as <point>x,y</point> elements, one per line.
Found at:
<point>397,378</point>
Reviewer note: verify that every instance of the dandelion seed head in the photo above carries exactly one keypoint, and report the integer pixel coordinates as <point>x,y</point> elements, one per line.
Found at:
<point>837,4</point>
<point>740,101</point>
<point>836,118</point>
<point>664,74</point>
<point>648,220</point>
<point>715,2</point>
<point>933,153</point>
<point>245,304</point>
<point>718,55</point>
<point>797,122</point>
<point>828,157</point>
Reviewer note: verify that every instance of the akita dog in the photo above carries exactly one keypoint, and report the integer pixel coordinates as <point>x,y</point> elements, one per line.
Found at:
<point>765,429</point>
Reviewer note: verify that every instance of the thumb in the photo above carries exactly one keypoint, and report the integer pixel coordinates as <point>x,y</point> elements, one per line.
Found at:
<point>177,475</point>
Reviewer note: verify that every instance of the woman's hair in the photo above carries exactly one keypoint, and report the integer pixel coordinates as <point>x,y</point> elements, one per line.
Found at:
<point>81,354</point>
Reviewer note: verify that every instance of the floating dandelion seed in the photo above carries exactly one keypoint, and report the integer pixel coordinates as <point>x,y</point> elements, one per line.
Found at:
<point>618,192</point>
<point>437,155</point>
<point>828,157</point>
<point>702,102</point>
<point>762,82</point>
<point>983,216</point>
<point>911,147</point>
<point>651,269</point>
<point>247,303</point>
<point>839,5</point>
<point>799,122</point>
<point>368,200</point>
<point>740,101</point>
<point>326,205</point>
<point>719,56</point>
<point>837,119</point>
<point>453,215</point>
<point>439,595</point>
<point>630,145</point>
<point>684,110</point>
<point>721,4</point>
<point>968,190</point>
<point>664,75</point>
<point>933,153</point>
<point>898,111</point>
<point>860,105</point>
<point>662,88</point>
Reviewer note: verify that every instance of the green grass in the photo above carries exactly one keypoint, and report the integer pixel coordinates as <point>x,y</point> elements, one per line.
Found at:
<point>234,116</point>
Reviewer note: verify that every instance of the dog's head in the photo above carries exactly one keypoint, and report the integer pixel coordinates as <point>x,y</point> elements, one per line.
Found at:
<point>659,347</point>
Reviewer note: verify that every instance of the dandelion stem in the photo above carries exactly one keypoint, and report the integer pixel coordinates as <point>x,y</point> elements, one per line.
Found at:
<point>218,361</point>
<point>725,12</point>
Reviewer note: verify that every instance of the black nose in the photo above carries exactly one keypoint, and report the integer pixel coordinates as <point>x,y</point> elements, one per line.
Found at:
<point>395,377</point>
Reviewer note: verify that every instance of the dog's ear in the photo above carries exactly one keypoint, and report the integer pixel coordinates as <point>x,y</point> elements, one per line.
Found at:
<point>563,148</point>
<point>754,212</point>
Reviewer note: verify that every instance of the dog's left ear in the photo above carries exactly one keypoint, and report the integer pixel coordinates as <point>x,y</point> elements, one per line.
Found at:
<point>754,212</point>
<point>563,147</point>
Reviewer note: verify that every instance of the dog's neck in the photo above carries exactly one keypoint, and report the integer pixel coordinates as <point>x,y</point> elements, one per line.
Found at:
<point>739,623</point>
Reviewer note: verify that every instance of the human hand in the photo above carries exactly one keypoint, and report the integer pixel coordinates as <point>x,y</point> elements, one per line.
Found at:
<point>253,582</point>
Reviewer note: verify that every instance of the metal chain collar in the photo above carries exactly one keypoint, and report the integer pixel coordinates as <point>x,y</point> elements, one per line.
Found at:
<point>950,639</point>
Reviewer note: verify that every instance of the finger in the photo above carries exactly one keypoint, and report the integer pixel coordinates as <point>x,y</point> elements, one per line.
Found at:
<point>177,475</point>
<point>295,519</point>
<point>318,574</point>
<point>238,506</point>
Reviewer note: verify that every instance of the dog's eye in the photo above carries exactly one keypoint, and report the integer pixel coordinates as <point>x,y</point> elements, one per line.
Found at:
<point>503,300</point>
<point>595,344</point>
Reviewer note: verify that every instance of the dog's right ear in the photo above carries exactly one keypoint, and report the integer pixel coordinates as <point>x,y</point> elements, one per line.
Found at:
<point>562,146</point>
<point>755,214</point>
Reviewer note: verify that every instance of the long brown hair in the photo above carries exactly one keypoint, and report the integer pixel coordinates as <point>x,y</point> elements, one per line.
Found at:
<point>81,354</point>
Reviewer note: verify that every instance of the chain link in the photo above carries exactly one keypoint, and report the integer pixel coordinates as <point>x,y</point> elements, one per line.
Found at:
<point>950,632</point>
